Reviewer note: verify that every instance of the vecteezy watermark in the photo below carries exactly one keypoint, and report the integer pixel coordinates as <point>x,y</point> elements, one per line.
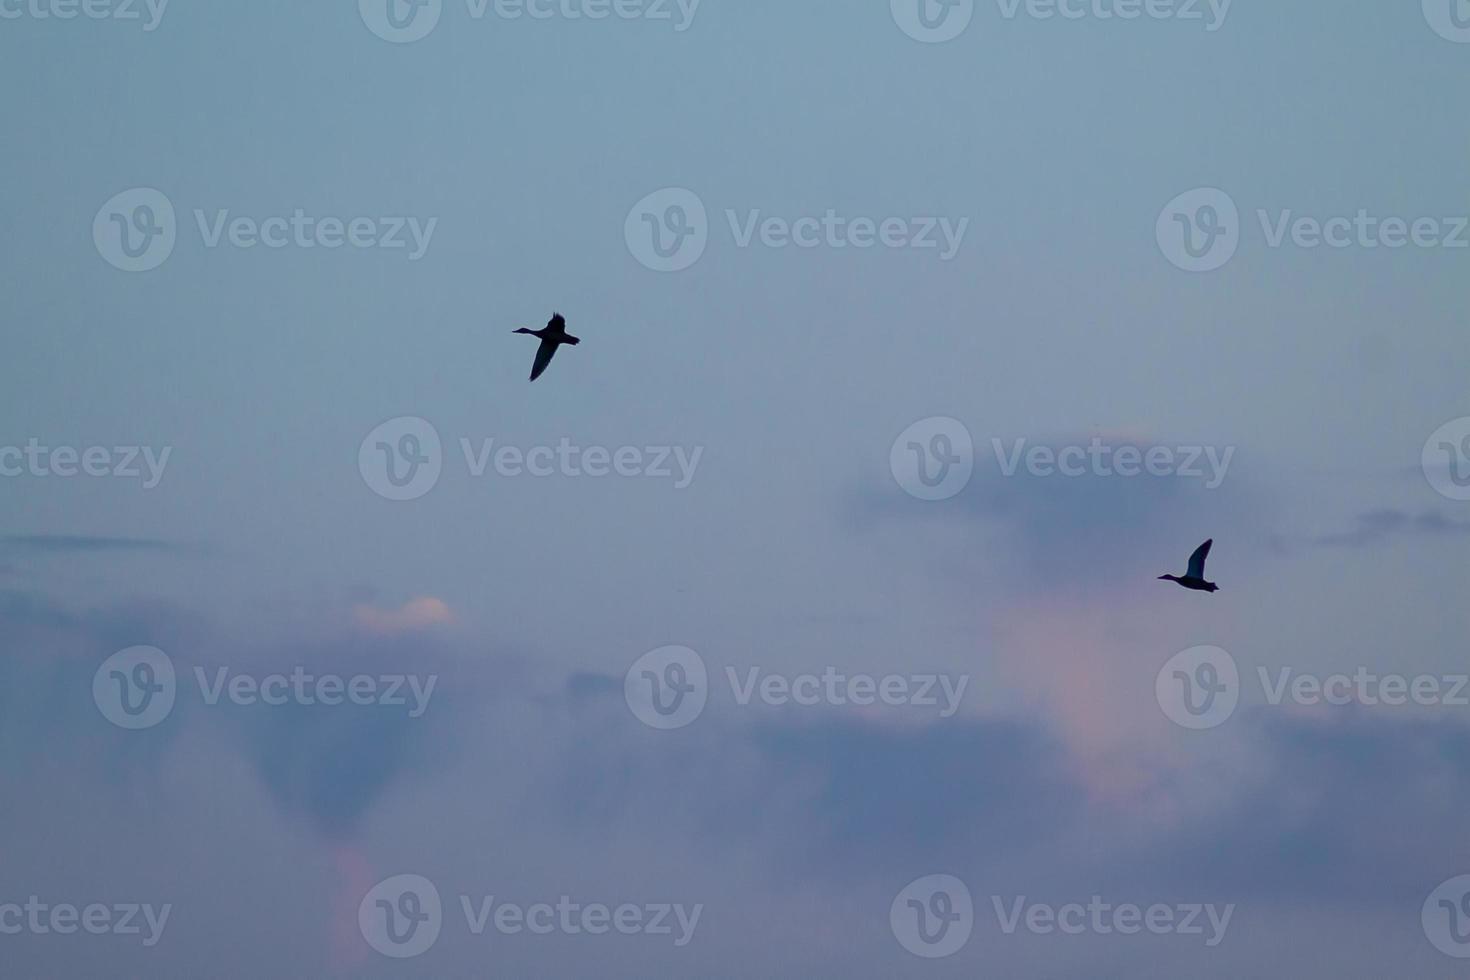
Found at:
<point>1201,687</point>
<point>937,21</point>
<point>933,459</point>
<point>934,917</point>
<point>137,230</point>
<point>1449,18</point>
<point>301,687</point>
<point>403,458</point>
<point>403,917</point>
<point>122,462</point>
<point>1446,460</point>
<point>669,230</point>
<point>933,21</point>
<point>148,12</point>
<point>1097,917</point>
<point>1446,917</point>
<point>1201,230</point>
<point>1364,687</point>
<point>38,918</point>
<point>1198,688</point>
<point>406,21</point>
<point>1100,459</point>
<point>838,689</point>
<point>136,688</point>
<point>667,688</point>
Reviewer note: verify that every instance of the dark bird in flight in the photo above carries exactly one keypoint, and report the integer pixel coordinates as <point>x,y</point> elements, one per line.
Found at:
<point>553,335</point>
<point>1195,577</point>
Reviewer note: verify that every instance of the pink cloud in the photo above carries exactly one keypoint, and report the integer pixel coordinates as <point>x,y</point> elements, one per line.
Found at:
<point>416,614</point>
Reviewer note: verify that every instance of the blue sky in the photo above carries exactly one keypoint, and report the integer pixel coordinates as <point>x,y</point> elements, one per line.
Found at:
<point>759,393</point>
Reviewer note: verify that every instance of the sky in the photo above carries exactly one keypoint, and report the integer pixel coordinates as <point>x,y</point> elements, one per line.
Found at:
<point>803,620</point>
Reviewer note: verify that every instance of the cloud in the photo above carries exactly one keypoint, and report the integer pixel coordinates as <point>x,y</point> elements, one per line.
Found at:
<point>820,809</point>
<point>1303,826</point>
<point>1057,532</point>
<point>65,544</point>
<point>20,609</point>
<point>966,782</point>
<point>416,614</point>
<point>1269,809</point>
<point>585,684</point>
<point>327,767</point>
<point>1378,526</point>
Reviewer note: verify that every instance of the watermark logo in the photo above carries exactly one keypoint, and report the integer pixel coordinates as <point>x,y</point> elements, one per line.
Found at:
<point>1446,917</point>
<point>1098,459</point>
<point>300,687</point>
<point>1211,13</point>
<point>566,459</point>
<point>668,230</point>
<point>667,688</point>
<point>835,231</point>
<point>401,917</point>
<point>933,459</point>
<point>1199,231</point>
<point>1446,460</point>
<point>135,688</point>
<point>1199,688</point>
<point>933,916</point>
<point>401,21</point>
<point>571,918</point>
<point>40,918</point>
<point>937,21</point>
<point>933,21</point>
<point>136,230</point>
<point>1102,918</point>
<point>1364,687</point>
<point>680,13</point>
<point>1449,18</point>
<point>62,462</point>
<point>401,459</point>
<point>407,21</point>
<point>307,231</point>
<point>119,10</point>
<point>836,688</point>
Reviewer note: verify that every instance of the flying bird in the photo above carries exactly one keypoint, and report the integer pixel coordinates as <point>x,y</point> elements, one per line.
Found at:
<point>553,335</point>
<point>1195,577</point>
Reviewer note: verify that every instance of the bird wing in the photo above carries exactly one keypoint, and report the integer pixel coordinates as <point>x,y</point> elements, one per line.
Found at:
<point>558,323</point>
<point>1197,560</point>
<point>544,354</point>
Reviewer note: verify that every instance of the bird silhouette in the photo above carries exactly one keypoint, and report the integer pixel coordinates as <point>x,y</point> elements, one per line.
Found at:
<point>1195,577</point>
<point>553,335</point>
